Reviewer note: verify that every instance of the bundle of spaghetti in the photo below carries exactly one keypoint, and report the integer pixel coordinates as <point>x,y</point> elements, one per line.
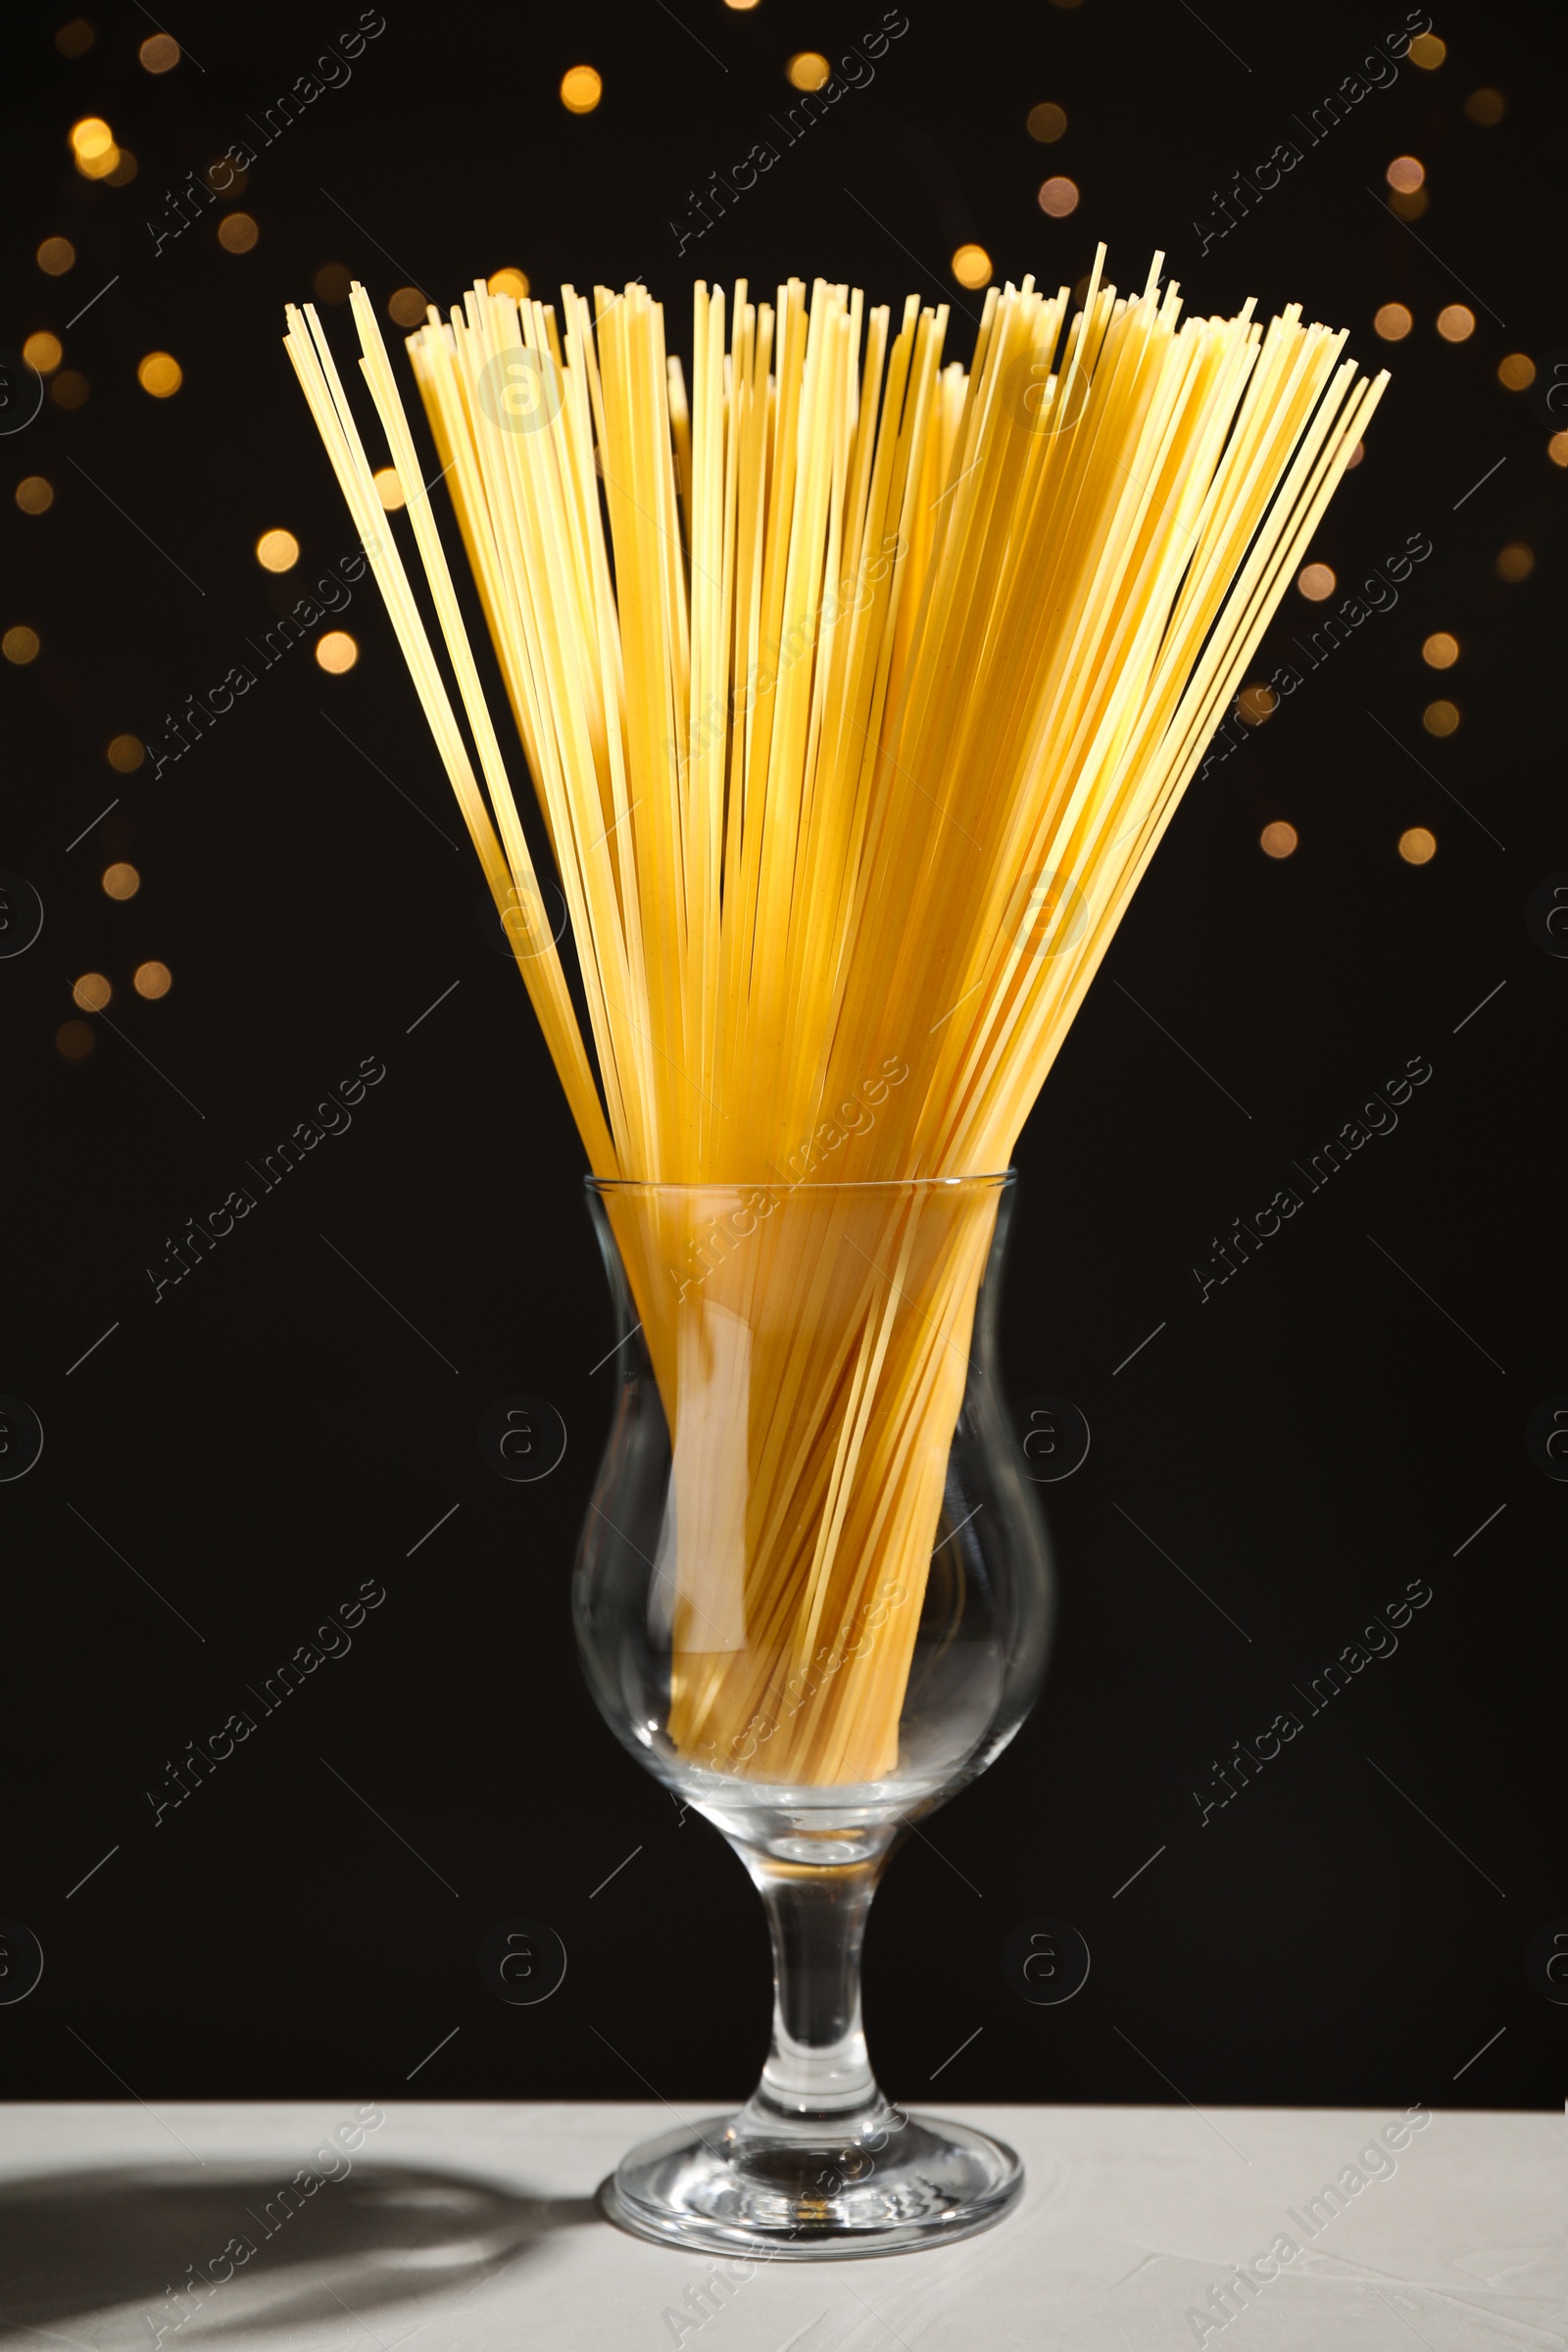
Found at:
<point>858,690</point>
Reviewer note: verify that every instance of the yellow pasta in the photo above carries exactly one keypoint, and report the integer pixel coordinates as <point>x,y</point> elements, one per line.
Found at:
<point>857,691</point>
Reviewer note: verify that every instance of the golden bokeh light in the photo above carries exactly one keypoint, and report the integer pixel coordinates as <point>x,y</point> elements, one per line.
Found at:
<point>75,1039</point>
<point>971,266</point>
<point>581,89</point>
<point>1440,650</point>
<point>406,307</point>
<point>1455,322</point>
<point>1256,703</point>
<point>119,880</point>
<point>34,494</point>
<point>1418,846</point>
<point>1356,457</point>
<point>740,6</point>
<point>160,53</point>
<point>1047,123</point>
<point>1515,561</point>
<point>92,992</point>
<point>238,232</point>
<point>1441,718</point>
<point>1316,581</point>
<point>160,374</point>
<point>19,644</point>
<point>125,171</point>
<point>1393,322</point>
<point>1278,839</point>
<point>1427,52</point>
<point>1057,197</point>
<point>388,489</point>
<point>277,551</point>
<point>75,38</point>
<point>92,143</point>
<point>1557,449</point>
<point>1405,173</point>
<point>333,283</point>
<point>337,652</point>
<point>43,351</point>
<point>1486,107</point>
<point>152,979</point>
<point>1516,373</point>
<point>55,256</point>
<point>807,69</point>
<point>125,754</point>
<point>1408,206</point>
<point>508,281</point>
<point>70,389</point>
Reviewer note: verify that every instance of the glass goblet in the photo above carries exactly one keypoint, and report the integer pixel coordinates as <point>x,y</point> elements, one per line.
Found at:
<point>814,1597</point>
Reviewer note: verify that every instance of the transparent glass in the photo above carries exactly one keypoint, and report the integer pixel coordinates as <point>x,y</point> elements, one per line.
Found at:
<point>814,1597</point>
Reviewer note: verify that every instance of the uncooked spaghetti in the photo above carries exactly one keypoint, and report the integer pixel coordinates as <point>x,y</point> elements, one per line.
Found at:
<point>858,690</point>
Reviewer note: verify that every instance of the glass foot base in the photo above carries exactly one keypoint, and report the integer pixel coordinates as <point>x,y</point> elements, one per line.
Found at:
<point>719,2188</point>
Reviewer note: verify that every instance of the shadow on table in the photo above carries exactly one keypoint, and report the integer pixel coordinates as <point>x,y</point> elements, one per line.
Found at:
<point>155,2256</point>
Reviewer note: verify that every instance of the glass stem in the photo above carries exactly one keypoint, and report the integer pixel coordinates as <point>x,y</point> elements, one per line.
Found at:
<point>819,2075</point>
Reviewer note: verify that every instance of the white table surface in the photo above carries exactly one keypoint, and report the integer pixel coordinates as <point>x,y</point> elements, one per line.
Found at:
<point>469,2227</point>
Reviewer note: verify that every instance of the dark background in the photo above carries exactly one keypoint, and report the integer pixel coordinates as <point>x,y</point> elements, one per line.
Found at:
<point>1321,1431</point>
